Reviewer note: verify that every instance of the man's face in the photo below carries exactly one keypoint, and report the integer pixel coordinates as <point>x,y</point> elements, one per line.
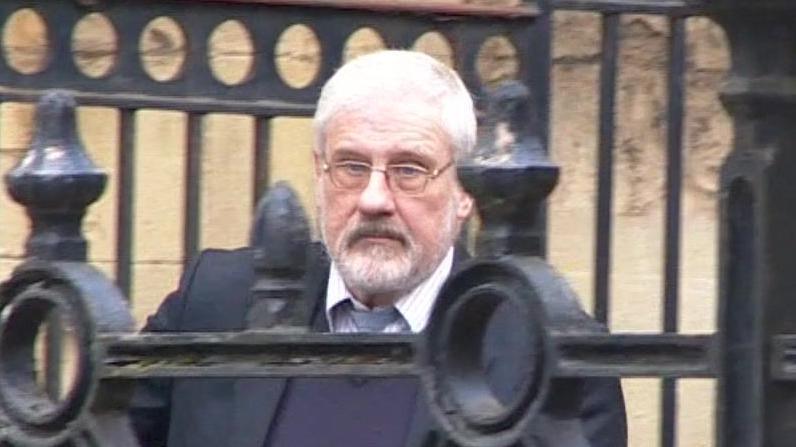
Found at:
<point>383,240</point>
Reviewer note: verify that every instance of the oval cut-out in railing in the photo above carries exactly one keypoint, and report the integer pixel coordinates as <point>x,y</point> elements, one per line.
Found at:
<point>26,42</point>
<point>497,61</point>
<point>95,45</point>
<point>230,53</point>
<point>163,49</point>
<point>436,45</point>
<point>362,41</point>
<point>298,56</point>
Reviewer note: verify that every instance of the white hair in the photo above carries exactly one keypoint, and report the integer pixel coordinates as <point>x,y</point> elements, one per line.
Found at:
<point>393,74</point>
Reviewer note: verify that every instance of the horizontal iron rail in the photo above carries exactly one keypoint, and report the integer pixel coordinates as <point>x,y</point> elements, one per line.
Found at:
<point>526,9</point>
<point>186,104</point>
<point>265,354</point>
<point>257,354</point>
<point>636,355</point>
<point>266,90</point>
<point>667,7</point>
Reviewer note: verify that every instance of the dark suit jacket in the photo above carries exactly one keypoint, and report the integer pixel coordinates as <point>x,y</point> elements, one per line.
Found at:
<point>213,296</point>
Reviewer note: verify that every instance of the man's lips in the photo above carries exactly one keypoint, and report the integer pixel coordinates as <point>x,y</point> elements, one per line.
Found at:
<point>376,233</point>
<point>377,237</point>
<point>384,239</point>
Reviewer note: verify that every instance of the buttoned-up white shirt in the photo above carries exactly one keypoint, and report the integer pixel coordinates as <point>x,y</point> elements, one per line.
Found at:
<point>415,307</point>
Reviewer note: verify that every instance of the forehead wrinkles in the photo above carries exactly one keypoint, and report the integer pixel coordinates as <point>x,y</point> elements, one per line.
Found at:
<point>407,130</point>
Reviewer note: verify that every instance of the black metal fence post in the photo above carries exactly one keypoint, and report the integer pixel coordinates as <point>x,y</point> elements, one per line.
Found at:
<point>758,241</point>
<point>56,182</point>
<point>510,176</point>
<point>756,359</point>
<point>280,238</point>
<point>55,288</point>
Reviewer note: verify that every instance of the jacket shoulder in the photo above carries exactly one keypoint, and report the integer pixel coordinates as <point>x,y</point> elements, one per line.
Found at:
<point>212,294</point>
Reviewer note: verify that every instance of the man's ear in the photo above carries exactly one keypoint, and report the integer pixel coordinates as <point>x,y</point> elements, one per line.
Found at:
<point>465,204</point>
<point>317,160</point>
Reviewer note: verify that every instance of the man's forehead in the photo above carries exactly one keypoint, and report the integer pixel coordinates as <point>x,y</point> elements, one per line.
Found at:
<point>389,112</point>
<point>357,132</point>
<point>396,101</point>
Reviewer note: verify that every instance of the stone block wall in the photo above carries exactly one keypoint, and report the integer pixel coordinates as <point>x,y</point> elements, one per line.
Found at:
<point>636,285</point>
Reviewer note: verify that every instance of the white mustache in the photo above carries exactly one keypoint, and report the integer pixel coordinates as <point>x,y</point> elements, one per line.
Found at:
<point>375,229</point>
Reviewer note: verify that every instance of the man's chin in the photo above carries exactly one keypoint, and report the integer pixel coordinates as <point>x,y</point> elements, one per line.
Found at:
<point>377,274</point>
<point>378,285</point>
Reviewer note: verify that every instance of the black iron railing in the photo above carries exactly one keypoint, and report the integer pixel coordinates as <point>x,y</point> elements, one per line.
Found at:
<point>265,94</point>
<point>750,354</point>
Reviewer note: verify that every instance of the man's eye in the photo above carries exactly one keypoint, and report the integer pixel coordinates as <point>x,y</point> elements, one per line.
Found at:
<point>354,169</point>
<point>407,171</point>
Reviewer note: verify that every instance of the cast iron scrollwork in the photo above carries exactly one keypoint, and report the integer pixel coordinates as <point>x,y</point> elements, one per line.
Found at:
<point>57,181</point>
<point>461,397</point>
<point>91,305</point>
<point>510,176</point>
<point>57,280</point>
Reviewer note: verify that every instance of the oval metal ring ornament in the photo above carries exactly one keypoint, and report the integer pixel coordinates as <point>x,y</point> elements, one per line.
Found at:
<point>459,392</point>
<point>36,290</point>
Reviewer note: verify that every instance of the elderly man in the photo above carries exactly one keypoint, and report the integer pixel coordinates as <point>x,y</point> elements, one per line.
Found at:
<point>389,128</point>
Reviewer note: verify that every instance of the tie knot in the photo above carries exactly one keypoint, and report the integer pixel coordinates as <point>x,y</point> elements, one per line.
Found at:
<point>376,319</point>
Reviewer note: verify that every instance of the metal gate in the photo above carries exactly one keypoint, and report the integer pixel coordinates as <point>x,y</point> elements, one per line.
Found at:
<point>751,354</point>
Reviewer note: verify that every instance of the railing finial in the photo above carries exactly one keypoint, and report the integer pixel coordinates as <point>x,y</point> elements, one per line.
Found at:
<point>56,181</point>
<point>509,175</point>
<point>281,240</point>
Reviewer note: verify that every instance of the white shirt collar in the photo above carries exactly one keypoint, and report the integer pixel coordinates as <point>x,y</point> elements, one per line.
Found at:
<point>415,307</point>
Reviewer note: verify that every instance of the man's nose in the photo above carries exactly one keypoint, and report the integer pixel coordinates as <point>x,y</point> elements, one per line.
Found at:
<point>377,197</point>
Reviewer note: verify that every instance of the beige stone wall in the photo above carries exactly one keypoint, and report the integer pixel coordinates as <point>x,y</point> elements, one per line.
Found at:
<point>639,197</point>
<point>227,166</point>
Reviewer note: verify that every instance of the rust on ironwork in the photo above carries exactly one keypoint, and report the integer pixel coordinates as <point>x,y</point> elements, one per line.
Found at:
<point>523,10</point>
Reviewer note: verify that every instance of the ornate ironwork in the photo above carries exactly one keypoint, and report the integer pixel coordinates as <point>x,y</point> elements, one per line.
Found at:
<point>56,289</point>
<point>281,241</point>
<point>263,93</point>
<point>751,353</point>
<point>196,89</point>
<point>92,305</point>
<point>756,311</point>
<point>509,174</point>
<point>56,182</point>
<point>511,274</point>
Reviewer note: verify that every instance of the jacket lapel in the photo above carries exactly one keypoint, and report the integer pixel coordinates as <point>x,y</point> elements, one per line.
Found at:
<point>256,404</point>
<point>258,401</point>
<point>423,429</point>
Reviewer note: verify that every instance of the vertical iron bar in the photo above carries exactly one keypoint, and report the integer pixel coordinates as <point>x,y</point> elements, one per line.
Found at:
<point>538,79</point>
<point>608,71</point>
<point>124,221</point>
<point>193,180</point>
<point>739,421</point>
<point>262,151</point>
<point>674,173</point>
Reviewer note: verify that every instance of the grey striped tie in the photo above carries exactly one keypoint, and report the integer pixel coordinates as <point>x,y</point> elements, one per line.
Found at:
<point>376,320</point>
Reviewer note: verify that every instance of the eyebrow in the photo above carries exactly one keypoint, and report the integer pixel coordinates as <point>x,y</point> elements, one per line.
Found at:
<point>348,152</point>
<point>420,154</point>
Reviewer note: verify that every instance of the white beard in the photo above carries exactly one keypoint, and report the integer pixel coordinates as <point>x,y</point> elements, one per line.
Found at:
<point>380,269</point>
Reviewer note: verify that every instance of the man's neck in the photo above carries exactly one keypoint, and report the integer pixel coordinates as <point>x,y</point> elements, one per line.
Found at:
<point>378,299</point>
